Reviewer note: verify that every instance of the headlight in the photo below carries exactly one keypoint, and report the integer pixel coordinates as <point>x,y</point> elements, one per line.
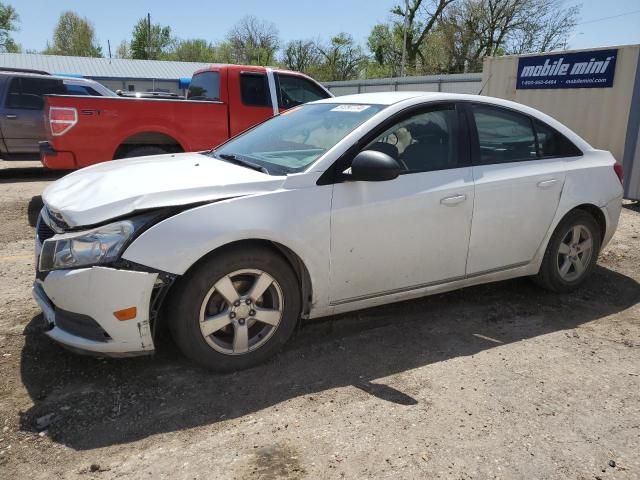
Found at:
<point>92,247</point>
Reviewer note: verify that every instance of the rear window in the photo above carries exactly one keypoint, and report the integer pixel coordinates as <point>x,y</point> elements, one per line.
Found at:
<point>552,143</point>
<point>204,86</point>
<point>254,90</point>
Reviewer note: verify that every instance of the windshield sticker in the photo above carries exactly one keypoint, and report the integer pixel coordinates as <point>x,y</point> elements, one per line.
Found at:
<point>350,108</point>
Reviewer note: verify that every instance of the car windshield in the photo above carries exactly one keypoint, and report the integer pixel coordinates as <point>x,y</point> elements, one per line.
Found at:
<point>295,139</point>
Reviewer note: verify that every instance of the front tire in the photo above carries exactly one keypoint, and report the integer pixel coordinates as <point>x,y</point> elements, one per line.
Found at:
<point>235,309</point>
<point>571,254</point>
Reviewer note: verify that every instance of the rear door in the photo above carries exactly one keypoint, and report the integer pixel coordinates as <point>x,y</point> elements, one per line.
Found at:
<point>250,97</point>
<point>22,119</point>
<point>517,189</point>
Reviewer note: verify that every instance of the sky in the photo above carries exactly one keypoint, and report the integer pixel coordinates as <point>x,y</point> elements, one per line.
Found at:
<point>295,19</point>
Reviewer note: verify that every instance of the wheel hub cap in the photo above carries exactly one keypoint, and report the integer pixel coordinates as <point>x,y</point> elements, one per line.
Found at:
<point>242,311</point>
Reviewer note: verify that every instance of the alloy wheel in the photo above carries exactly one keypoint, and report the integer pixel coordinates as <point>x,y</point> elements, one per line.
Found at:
<point>241,311</point>
<point>574,253</point>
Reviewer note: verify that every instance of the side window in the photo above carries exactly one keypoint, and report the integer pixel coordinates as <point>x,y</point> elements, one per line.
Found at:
<point>13,94</point>
<point>295,91</point>
<point>204,86</point>
<point>423,142</point>
<point>31,92</point>
<point>504,136</point>
<point>72,89</point>
<point>552,143</point>
<point>254,90</point>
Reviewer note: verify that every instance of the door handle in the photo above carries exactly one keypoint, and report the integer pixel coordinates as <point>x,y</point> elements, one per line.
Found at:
<point>11,116</point>
<point>544,184</point>
<point>453,200</point>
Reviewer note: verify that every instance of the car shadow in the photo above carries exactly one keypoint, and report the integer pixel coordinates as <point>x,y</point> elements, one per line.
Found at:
<point>30,174</point>
<point>100,402</point>
<point>633,206</point>
<point>33,210</point>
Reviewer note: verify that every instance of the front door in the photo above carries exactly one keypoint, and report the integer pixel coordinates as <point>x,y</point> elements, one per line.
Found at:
<point>410,232</point>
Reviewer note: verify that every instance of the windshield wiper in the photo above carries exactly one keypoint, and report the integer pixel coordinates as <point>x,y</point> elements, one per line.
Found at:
<point>229,157</point>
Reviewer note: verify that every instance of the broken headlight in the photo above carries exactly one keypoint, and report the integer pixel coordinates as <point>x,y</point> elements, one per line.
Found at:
<point>92,247</point>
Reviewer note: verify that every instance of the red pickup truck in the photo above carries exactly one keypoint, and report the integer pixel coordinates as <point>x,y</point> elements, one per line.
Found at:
<point>222,101</point>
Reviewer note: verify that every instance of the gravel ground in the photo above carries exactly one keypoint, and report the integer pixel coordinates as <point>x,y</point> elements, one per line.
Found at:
<point>497,381</point>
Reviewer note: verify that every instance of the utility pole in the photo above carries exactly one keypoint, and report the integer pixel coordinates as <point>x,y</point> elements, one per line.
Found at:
<point>109,47</point>
<point>148,36</point>
<point>404,37</point>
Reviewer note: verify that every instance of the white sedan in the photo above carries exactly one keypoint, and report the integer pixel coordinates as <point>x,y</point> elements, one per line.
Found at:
<point>337,205</point>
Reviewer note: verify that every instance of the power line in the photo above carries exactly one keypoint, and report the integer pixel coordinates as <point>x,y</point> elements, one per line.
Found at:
<point>608,18</point>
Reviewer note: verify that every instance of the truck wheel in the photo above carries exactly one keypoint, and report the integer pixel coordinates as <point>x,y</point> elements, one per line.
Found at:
<point>144,152</point>
<point>235,309</point>
<point>571,254</point>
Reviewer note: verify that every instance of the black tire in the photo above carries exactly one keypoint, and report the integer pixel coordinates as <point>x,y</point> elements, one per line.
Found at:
<point>145,151</point>
<point>185,302</point>
<point>549,276</point>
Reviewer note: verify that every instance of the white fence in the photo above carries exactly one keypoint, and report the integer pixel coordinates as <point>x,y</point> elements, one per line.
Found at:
<point>455,83</point>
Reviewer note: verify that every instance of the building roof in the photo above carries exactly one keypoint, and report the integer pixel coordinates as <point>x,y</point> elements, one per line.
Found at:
<point>102,67</point>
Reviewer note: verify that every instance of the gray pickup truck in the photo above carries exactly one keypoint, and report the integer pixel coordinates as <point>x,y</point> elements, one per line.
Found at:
<point>21,102</point>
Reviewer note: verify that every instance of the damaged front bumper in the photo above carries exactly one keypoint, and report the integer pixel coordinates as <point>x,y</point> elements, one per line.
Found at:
<point>78,306</point>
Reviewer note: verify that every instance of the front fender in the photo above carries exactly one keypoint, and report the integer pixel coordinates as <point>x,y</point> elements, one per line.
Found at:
<point>297,219</point>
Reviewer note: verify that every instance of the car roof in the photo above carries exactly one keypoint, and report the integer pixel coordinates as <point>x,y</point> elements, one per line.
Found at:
<point>63,77</point>
<point>377,98</point>
<point>392,98</point>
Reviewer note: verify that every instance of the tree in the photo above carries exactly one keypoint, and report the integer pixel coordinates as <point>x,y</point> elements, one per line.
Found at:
<point>419,19</point>
<point>301,55</point>
<point>546,27</point>
<point>385,44</point>
<point>123,50</point>
<point>253,42</point>
<point>196,50</point>
<point>342,59</point>
<point>150,42</point>
<point>8,23</point>
<point>75,36</point>
<point>478,28</point>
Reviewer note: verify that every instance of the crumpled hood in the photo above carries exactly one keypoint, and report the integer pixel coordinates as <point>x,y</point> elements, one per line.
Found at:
<point>109,190</point>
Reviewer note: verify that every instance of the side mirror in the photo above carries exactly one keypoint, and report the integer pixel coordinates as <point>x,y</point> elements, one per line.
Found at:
<point>374,166</point>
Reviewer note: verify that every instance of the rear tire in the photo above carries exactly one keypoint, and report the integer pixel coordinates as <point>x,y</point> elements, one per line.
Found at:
<point>235,309</point>
<point>571,254</point>
<point>144,152</point>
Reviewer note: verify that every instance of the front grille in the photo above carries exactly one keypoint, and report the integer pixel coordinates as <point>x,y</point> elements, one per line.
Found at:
<point>44,232</point>
<point>80,326</point>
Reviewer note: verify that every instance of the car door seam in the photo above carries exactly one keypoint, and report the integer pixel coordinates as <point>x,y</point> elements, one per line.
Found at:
<point>473,209</point>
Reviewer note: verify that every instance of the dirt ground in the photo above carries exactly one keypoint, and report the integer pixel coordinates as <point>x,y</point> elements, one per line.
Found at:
<point>497,381</point>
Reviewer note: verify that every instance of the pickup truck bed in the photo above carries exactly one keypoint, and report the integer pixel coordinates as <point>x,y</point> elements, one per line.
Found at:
<point>110,127</point>
<point>225,100</point>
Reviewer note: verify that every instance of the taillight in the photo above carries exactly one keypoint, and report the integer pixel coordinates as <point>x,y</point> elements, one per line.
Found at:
<point>61,120</point>
<point>619,171</point>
